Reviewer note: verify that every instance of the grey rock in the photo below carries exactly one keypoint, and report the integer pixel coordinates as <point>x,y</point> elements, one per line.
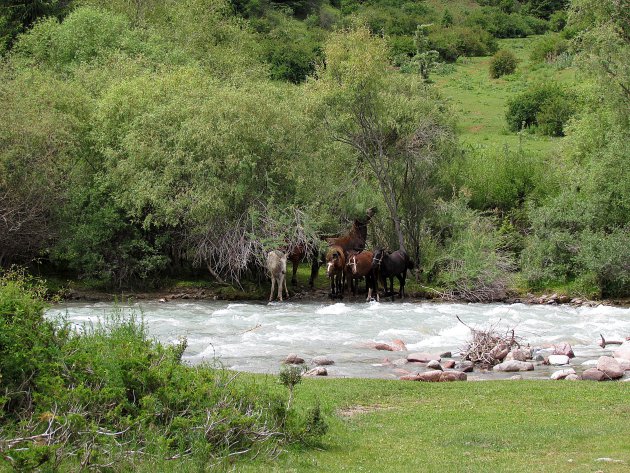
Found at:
<point>573,377</point>
<point>446,354</point>
<point>563,349</point>
<point>448,364</point>
<point>434,365</point>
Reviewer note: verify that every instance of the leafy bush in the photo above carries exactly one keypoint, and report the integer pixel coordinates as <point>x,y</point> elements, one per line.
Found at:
<point>547,106</point>
<point>558,20</point>
<point>506,25</point>
<point>500,177</point>
<point>502,63</point>
<point>456,41</point>
<point>548,48</point>
<point>472,265</point>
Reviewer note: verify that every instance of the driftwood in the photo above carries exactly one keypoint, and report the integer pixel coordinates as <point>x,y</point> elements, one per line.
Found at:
<point>605,342</point>
<point>488,347</point>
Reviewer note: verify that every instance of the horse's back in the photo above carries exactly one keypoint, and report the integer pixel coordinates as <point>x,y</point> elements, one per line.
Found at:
<point>276,262</point>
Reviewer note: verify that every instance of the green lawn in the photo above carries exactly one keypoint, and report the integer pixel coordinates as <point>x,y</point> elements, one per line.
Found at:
<point>480,101</point>
<point>527,426</point>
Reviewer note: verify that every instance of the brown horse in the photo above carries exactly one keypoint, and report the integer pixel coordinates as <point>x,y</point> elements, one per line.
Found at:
<point>356,237</point>
<point>360,265</point>
<point>335,269</point>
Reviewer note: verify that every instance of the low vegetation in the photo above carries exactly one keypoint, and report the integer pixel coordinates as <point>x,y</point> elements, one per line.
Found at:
<point>107,396</point>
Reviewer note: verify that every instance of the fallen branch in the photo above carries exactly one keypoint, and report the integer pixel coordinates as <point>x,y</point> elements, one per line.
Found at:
<point>605,342</point>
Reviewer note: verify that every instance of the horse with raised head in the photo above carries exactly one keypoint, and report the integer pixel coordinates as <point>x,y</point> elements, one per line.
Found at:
<point>388,265</point>
<point>356,237</point>
<point>277,267</point>
<point>335,270</point>
<point>360,265</point>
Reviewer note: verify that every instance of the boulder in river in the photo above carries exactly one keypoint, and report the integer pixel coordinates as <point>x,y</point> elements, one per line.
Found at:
<point>465,366</point>
<point>293,359</point>
<point>322,361</point>
<point>623,351</point>
<point>514,365</point>
<point>573,377</point>
<point>519,354</point>
<point>563,349</point>
<point>317,371</point>
<point>562,374</point>
<point>399,345</point>
<point>558,360</point>
<point>448,364</point>
<point>434,365</point>
<point>593,374</point>
<point>423,357</point>
<point>610,367</point>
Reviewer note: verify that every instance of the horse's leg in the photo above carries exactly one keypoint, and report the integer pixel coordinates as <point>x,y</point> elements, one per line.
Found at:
<point>314,270</point>
<point>284,279</point>
<point>280,281</point>
<point>296,263</point>
<point>402,279</point>
<point>273,284</point>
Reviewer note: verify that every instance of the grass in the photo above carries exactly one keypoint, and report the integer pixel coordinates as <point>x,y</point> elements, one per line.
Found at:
<point>482,426</point>
<point>480,101</point>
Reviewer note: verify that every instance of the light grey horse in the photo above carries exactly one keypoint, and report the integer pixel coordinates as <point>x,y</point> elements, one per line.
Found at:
<point>277,267</point>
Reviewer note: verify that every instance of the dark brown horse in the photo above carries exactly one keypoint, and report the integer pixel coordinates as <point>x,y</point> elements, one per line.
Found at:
<point>335,270</point>
<point>360,265</point>
<point>386,265</point>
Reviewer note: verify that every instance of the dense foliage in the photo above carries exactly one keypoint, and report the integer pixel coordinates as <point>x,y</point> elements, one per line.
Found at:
<point>147,139</point>
<point>502,63</point>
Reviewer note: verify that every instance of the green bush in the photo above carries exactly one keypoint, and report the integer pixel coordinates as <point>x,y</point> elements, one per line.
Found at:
<point>502,63</point>
<point>546,106</point>
<point>505,25</point>
<point>548,48</point>
<point>472,265</point>
<point>558,20</point>
<point>457,41</point>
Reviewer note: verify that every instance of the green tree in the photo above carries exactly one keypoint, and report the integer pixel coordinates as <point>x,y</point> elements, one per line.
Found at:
<point>392,122</point>
<point>425,57</point>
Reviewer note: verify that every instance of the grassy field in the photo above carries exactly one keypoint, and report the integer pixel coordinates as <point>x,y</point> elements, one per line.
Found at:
<point>390,426</point>
<point>480,101</point>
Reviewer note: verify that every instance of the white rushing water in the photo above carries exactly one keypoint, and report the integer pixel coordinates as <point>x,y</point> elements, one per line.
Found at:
<point>256,337</point>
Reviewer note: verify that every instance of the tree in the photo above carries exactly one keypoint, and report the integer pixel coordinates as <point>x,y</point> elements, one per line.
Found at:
<point>392,121</point>
<point>425,57</point>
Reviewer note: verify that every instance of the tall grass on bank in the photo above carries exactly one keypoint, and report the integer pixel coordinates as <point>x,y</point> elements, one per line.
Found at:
<point>110,397</point>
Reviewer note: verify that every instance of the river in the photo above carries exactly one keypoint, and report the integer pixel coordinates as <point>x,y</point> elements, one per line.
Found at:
<point>256,337</point>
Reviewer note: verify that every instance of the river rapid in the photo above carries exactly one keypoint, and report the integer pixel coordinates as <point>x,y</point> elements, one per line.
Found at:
<point>256,337</point>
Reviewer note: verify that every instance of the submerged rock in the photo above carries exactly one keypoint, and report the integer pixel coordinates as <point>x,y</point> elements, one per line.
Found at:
<point>558,360</point>
<point>322,361</point>
<point>293,359</point>
<point>423,357</point>
<point>317,371</point>
<point>562,374</point>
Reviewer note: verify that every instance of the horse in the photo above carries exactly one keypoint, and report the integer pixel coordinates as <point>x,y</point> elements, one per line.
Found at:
<point>387,265</point>
<point>360,265</point>
<point>335,269</point>
<point>277,267</point>
<point>356,237</point>
<point>300,253</point>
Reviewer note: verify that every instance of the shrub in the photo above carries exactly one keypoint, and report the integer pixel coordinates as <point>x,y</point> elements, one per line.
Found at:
<point>547,105</point>
<point>457,41</point>
<point>505,25</point>
<point>472,265</point>
<point>502,63</point>
<point>558,20</point>
<point>548,48</point>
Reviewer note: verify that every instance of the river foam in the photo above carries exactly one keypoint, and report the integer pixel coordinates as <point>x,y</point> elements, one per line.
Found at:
<point>256,337</point>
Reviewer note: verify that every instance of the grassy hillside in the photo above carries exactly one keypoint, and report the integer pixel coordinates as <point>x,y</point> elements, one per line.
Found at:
<point>480,101</point>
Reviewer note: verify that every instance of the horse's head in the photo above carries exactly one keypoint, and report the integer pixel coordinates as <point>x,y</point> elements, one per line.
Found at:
<point>377,259</point>
<point>352,263</point>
